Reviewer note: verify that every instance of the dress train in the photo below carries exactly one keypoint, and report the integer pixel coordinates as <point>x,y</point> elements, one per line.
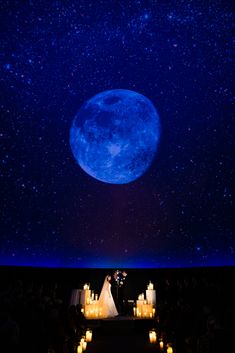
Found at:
<point>106,302</point>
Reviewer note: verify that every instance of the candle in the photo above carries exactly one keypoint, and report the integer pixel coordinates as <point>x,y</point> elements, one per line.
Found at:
<point>82,340</point>
<point>134,311</point>
<point>84,345</point>
<point>96,297</point>
<point>151,315</point>
<point>161,344</point>
<point>88,335</point>
<point>79,349</point>
<point>169,350</point>
<point>152,336</point>
<point>154,311</point>
<point>82,310</point>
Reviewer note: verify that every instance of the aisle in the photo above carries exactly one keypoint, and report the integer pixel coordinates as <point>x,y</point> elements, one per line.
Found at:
<point>120,335</point>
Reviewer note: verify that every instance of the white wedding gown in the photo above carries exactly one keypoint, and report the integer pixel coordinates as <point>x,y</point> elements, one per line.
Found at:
<point>106,302</point>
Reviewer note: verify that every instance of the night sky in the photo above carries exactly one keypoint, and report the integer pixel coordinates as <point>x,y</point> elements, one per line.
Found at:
<point>54,56</point>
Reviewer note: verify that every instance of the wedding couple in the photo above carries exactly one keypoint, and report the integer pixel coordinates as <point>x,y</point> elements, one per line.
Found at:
<point>112,306</point>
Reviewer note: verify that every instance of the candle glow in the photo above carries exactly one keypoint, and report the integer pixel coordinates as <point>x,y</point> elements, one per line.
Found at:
<point>152,336</point>
<point>88,335</point>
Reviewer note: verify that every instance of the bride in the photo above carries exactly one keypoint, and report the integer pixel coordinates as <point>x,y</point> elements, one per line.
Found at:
<point>106,302</point>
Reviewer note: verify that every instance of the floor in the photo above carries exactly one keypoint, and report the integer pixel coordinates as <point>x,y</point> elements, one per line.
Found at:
<point>121,335</point>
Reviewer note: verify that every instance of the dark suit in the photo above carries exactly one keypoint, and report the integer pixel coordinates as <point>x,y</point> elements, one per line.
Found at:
<point>120,293</point>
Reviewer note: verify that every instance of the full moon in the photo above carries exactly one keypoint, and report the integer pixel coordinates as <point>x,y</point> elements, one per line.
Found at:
<point>114,136</point>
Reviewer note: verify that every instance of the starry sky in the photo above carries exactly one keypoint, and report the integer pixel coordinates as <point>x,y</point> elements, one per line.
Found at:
<point>54,56</point>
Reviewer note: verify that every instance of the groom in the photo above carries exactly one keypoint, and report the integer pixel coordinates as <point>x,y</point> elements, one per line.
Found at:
<point>119,285</point>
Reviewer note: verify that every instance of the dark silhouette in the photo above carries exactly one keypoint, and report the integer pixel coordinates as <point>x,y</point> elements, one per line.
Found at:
<point>119,280</point>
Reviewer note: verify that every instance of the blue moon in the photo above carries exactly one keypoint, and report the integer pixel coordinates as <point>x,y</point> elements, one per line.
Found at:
<point>114,136</point>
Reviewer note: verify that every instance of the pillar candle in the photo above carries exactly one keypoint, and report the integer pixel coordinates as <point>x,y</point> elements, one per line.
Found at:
<point>79,349</point>
<point>152,336</point>
<point>88,335</point>
<point>84,345</point>
<point>161,344</point>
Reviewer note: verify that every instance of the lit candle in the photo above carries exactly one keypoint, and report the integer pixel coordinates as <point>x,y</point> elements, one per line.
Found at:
<point>152,336</point>
<point>161,344</point>
<point>96,297</point>
<point>169,350</point>
<point>151,315</point>
<point>88,335</point>
<point>154,311</point>
<point>82,310</point>
<point>79,349</point>
<point>82,340</point>
<point>84,345</point>
<point>134,311</point>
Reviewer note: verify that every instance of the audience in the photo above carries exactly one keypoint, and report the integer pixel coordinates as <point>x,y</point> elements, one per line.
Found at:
<point>196,318</point>
<point>36,320</point>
